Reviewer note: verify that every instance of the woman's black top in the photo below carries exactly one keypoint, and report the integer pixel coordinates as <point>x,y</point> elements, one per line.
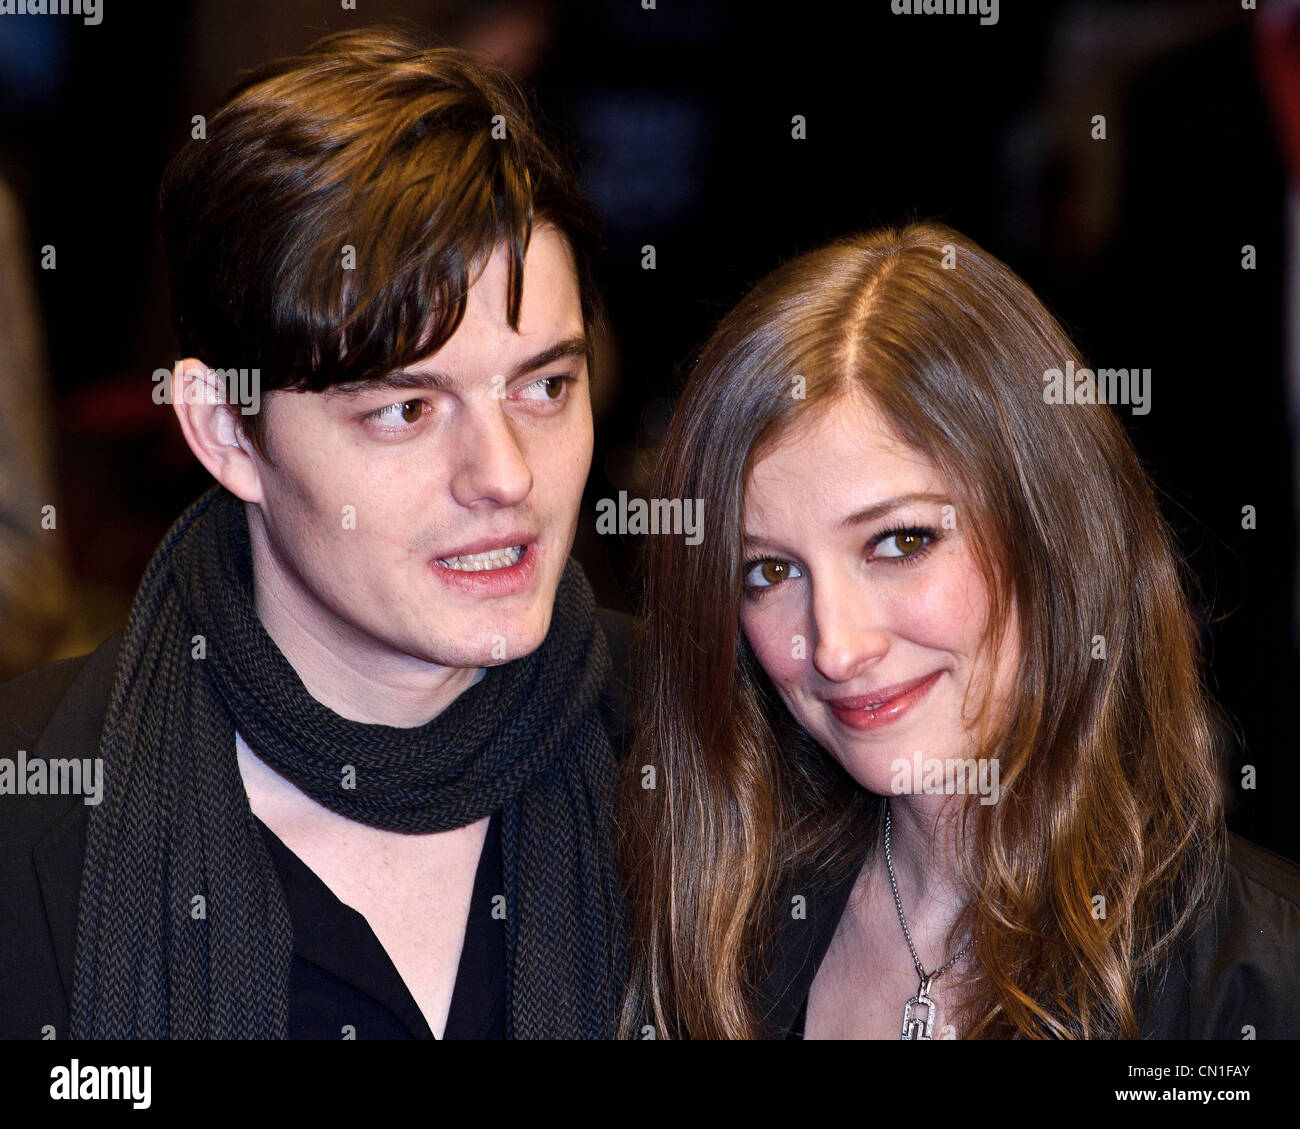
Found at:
<point>1237,977</point>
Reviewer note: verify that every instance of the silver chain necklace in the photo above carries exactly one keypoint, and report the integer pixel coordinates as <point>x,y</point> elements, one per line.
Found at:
<point>914,1028</point>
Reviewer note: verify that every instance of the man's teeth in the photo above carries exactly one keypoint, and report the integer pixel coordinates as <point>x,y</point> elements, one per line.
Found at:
<point>482,562</point>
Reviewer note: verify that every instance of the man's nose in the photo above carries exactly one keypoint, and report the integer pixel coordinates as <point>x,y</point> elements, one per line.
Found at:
<point>491,466</point>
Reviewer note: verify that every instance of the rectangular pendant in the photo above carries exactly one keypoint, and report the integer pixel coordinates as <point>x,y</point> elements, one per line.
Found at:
<point>913,1027</point>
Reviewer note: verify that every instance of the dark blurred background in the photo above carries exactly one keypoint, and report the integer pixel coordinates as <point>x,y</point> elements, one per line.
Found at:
<point>682,120</point>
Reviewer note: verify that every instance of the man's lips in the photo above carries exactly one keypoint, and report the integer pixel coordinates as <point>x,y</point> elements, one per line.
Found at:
<point>880,697</point>
<point>513,539</point>
<point>504,574</point>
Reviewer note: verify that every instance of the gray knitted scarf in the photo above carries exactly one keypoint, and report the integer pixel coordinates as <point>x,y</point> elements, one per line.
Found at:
<point>175,822</point>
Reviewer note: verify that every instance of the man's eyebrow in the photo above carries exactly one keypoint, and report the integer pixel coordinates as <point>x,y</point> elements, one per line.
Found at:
<point>576,346</point>
<point>866,514</point>
<point>401,380</point>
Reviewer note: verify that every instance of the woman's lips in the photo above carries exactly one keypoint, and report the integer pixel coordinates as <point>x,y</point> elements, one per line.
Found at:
<point>854,712</point>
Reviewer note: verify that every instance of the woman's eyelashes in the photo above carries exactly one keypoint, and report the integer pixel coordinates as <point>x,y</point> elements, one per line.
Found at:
<point>909,544</point>
<point>912,543</point>
<point>767,572</point>
<point>404,416</point>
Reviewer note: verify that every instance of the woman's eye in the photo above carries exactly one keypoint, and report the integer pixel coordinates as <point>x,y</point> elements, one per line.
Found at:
<point>548,388</point>
<point>766,573</point>
<point>395,415</point>
<point>905,542</point>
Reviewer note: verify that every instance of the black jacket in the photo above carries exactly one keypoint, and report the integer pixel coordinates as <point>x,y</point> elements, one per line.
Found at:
<point>1237,977</point>
<point>56,712</point>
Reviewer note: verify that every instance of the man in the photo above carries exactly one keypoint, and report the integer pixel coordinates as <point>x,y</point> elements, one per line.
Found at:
<point>358,737</point>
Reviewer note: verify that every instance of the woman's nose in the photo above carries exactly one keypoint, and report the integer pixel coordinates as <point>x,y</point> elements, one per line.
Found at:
<point>848,627</point>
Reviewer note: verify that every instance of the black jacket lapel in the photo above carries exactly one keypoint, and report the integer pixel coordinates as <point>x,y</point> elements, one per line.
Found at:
<point>73,731</point>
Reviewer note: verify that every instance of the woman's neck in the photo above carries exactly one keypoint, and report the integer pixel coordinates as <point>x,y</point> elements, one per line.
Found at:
<point>923,847</point>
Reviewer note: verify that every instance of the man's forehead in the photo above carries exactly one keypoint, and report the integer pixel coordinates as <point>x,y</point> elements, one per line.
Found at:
<point>550,284</point>
<point>484,347</point>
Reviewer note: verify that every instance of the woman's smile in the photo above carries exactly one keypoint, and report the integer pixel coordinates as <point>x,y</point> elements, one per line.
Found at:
<point>872,711</point>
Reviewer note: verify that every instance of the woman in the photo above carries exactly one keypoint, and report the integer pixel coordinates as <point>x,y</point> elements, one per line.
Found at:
<point>923,745</point>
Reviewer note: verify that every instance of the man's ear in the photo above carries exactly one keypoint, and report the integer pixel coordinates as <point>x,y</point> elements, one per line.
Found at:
<point>212,429</point>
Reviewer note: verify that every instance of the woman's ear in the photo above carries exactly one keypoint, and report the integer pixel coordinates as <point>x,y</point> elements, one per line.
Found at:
<point>212,428</point>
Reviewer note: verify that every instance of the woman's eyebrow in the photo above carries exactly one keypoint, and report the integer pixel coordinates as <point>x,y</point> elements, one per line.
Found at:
<point>752,542</point>
<point>859,517</point>
<point>885,505</point>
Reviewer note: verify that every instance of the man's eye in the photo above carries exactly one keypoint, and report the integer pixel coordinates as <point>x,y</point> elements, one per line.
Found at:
<point>769,572</point>
<point>548,388</point>
<point>394,415</point>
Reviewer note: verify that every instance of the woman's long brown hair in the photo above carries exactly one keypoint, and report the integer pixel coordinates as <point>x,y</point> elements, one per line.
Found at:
<point>1108,783</point>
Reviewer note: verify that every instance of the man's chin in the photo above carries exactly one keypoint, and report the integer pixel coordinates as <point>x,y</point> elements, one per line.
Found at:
<point>487,645</point>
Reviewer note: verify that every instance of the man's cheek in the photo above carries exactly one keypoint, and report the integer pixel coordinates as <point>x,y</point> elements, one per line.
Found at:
<point>575,464</point>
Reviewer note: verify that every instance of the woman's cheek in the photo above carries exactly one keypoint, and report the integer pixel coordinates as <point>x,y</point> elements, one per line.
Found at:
<point>777,643</point>
<point>959,587</point>
<point>939,607</point>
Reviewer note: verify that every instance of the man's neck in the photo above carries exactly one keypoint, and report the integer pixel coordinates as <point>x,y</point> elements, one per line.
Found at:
<point>343,669</point>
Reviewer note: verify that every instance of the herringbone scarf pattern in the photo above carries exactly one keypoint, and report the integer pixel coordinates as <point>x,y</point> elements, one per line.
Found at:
<point>155,961</point>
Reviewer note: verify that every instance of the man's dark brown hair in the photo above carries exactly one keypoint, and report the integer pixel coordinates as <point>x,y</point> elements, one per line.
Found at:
<point>420,158</point>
